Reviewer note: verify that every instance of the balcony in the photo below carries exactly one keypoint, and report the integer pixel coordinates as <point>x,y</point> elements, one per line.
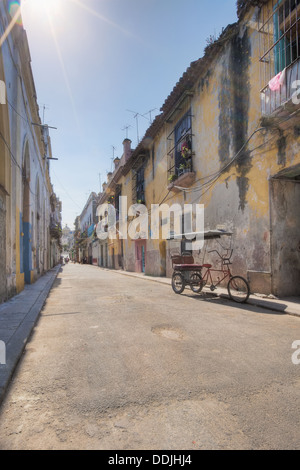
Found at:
<point>90,230</point>
<point>55,231</point>
<point>281,103</point>
<point>181,176</point>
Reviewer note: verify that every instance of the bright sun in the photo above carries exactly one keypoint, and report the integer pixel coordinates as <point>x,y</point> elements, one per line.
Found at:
<point>38,8</point>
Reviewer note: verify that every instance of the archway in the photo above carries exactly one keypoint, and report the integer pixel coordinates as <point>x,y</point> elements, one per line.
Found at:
<point>26,226</point>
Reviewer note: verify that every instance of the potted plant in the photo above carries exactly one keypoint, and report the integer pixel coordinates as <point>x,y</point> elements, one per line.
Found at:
<point>183,168</point>
<point>188,165</point>
<point>172,178</point>
<point>184,150</point>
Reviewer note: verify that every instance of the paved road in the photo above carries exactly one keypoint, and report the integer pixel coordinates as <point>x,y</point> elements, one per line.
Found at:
<point>117,362</point>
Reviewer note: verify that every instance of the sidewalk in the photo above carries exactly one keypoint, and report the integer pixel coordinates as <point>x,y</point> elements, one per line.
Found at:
<point>18,317</point>
<point>289,305</point>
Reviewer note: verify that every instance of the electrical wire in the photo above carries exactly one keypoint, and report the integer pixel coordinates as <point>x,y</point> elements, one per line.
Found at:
<point>64,189</point>
<point>16,164</point>
<point>220,172</point>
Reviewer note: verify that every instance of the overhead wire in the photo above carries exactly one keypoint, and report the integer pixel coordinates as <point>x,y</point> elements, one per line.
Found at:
<point>13,159</point>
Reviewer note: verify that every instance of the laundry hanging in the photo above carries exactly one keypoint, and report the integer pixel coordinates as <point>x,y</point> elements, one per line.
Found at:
<point>276,83</point>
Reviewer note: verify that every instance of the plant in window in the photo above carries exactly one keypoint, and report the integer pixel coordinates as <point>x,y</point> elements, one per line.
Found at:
<point>185,150</point>
<point>172,178</point>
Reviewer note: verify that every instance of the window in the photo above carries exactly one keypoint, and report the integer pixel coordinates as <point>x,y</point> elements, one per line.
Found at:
<point>140,186</point>
<point>280,53</point>
<point>183,144</point>
<point>117,201</point>
<point>180,153</point>
<point>280,40</point>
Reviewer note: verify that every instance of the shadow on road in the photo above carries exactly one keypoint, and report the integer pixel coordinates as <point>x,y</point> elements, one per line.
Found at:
<point>224,300</point>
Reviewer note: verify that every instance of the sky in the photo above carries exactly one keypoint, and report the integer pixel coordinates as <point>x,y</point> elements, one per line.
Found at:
<point>102,71</point>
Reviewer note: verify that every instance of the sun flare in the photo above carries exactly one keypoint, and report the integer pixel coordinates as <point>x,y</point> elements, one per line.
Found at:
<point>41,7</point>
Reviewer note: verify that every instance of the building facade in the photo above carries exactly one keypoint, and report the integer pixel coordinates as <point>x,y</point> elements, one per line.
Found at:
<point>227,137</point>
<point>85,231</point>
<point>25,153</point>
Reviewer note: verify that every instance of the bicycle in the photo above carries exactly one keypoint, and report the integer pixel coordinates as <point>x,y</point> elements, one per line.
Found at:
<point>191,274</point>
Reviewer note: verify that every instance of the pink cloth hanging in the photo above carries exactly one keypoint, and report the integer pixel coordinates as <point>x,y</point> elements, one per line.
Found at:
<point>277,81</point>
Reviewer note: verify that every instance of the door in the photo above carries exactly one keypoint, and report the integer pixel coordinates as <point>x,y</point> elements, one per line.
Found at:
<point>143,258</point>
<point>285,236</point>
<point>140,256</point>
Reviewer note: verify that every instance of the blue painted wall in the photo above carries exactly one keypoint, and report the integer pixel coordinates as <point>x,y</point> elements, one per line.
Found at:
<point>27,250</point>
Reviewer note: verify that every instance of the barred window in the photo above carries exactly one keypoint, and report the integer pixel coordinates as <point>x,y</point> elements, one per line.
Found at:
<point>183,138</point>
<point>280,35</point>
<point>140,186</point>
<point>280,51</point>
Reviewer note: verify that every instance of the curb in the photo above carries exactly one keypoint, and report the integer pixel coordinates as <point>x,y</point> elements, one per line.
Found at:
<point>280,306</point>
<point>16,345</point>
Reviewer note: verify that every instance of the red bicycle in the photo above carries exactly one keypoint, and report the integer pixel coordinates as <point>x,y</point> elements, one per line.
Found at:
<point>199,275</point>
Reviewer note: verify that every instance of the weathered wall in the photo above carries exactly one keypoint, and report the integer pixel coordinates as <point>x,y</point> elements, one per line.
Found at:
<point>285,217</point>
<point>226,114</point>
<point>26,219</point>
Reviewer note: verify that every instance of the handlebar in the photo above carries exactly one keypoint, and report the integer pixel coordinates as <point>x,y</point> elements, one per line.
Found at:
<point>223,258</point>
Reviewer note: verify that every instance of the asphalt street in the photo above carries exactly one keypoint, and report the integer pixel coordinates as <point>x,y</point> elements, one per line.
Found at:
<point>116,362</point>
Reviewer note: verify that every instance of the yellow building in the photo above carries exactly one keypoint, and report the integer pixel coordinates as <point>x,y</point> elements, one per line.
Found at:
<point>25,153</point>
<point>227,137</point>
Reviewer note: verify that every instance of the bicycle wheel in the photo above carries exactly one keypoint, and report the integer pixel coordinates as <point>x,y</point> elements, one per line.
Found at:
<point>178,283</point>
<point>238,289</point>
<point>196,283</point>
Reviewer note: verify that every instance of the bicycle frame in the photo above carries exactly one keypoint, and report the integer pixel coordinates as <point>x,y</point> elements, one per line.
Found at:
<point>225,270</point>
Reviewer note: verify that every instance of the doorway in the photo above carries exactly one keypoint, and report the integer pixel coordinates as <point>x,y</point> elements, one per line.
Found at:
<point>26,259</point>
<point>285,233</point>
<point>140,256</point>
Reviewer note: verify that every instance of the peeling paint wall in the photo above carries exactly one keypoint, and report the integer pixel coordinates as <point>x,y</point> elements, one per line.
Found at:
<point>25,239</point>
<point>234,161</point>
<point>226,112</point>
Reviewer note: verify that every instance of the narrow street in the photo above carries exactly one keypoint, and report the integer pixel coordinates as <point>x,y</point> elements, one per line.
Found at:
<point>117,362</point>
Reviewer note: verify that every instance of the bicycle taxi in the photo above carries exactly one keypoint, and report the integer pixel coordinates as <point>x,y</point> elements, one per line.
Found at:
<point>197,275</point>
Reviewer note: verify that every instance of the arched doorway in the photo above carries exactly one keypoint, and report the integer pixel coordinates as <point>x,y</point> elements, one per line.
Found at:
<point>26,226</point>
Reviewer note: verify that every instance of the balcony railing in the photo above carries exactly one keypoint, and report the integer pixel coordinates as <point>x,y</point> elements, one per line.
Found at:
<point>181,176</point>
<point>285,95</point>
<point>181,173</point>
<point>55,231</point>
